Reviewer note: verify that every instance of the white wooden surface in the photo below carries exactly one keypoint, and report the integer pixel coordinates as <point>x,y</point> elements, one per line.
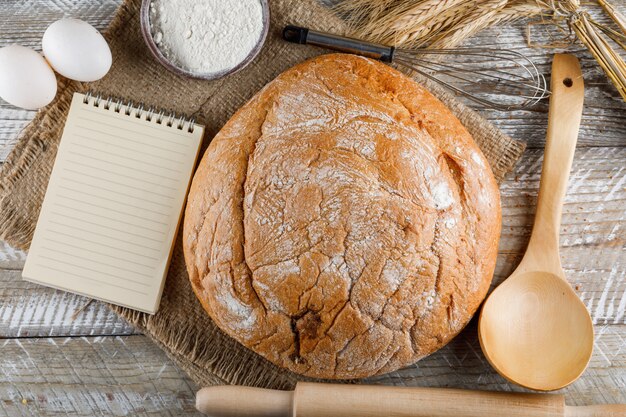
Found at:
<point>55,361</point>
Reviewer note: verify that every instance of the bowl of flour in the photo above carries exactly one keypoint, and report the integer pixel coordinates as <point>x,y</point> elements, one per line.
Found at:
<point>205,39</point>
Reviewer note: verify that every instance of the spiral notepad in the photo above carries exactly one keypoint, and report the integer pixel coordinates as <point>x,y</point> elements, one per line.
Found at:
<point>114,202</point>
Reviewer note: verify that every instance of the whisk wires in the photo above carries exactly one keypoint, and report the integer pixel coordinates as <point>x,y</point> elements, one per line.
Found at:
<point>498,79</point>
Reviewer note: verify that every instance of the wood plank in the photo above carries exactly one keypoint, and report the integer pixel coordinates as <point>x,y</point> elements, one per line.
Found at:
<point>91,376</point>
<point>604,120</point>
<point>593,246</point>
<point>593,231</point>
<point>461,364</point>
<point>11,258</point>
<point>29,20</point>
<point>129,375</point>
<point>120,376</point>
<point>31,310</point>
<point>604,115</point>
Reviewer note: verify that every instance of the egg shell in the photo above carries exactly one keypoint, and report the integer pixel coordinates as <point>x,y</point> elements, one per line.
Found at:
<point>76,50</point>
<point>26,79</point>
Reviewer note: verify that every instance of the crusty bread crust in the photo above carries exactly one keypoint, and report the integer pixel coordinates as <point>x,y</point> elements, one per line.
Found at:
<point>343,223</point>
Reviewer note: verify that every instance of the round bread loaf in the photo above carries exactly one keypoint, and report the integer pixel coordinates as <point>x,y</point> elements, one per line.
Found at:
<point>343,223</point>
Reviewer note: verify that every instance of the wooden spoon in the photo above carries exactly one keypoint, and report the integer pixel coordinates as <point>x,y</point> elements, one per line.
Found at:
<point>533,329</point>
<point>328,400</point>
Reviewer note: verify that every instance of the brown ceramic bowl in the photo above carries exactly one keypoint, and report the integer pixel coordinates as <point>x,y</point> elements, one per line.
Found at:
<point>158,55</point>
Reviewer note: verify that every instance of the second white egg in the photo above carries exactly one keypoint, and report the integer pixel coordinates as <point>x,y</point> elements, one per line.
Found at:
<point>26,79</point>
<point>76,50</point>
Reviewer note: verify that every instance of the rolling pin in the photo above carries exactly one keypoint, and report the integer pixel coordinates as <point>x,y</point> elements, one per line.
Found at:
<point>329,400</point>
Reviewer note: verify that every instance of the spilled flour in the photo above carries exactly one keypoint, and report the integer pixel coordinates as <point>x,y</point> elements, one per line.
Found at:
<point>206,36</point>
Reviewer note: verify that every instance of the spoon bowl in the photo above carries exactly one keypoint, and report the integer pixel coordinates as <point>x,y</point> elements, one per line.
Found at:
<point>536,329</point>
<point>533,329</point>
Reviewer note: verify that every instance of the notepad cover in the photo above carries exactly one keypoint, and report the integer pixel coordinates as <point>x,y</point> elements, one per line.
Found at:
<point>113,204</point>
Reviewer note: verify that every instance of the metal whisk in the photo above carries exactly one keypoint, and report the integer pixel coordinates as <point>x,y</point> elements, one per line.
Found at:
<point>500,79</point>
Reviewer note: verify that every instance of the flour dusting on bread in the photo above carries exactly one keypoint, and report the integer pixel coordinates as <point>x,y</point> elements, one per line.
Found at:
<point>343,223</point>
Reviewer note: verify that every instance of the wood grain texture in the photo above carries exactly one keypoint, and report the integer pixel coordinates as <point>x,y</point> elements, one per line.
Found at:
<point>128,375</point>
<point>31,310</point>
<point>99,376</point>
<point>461,364</point>
<point>87,374</point>
<point>593,246</point>
<point>11,258</point>
<point>604,116</point>
<point>322,400</point>
<point>604,120</point>
<point>593,235</point>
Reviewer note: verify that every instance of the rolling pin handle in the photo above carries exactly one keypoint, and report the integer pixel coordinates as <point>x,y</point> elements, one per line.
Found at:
<point>604,410</point>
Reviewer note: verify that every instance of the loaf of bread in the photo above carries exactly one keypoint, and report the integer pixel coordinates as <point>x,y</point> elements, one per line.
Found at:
<point>343,223</point>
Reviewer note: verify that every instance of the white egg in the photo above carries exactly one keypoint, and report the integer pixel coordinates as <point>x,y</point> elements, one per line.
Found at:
<point>26,79</point>
<point>76,50</point>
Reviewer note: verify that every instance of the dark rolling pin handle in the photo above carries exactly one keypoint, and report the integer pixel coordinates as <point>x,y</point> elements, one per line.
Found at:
<point>304,36</point>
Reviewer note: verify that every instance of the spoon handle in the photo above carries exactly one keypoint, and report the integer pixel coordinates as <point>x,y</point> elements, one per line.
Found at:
<point>566,106</point>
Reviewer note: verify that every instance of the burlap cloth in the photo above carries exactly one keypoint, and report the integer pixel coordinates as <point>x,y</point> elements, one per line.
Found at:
<point>181,327</point>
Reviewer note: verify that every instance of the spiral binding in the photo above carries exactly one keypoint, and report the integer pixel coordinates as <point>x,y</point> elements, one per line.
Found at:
<point>162,116</point>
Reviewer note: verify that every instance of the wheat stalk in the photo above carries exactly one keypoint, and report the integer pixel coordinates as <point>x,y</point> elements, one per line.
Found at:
<point>424,11</point>
<point>361,12</point>
<point>471,24</point>
<point>617,37</point>
<point>419,35</point>
<point>386,22</point>
<point>590,32</point>
<point>416,23</point>
<point>610,61</point>
<point>617,17</point>
<point>516,10</point>
<point>447,23</point>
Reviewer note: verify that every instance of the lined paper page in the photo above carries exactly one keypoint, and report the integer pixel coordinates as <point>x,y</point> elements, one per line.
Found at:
<point>113,205</point>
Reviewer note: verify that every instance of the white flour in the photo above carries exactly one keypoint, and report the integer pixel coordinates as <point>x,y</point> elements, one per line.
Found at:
<point>206,36</point>
<point>442,196</point>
